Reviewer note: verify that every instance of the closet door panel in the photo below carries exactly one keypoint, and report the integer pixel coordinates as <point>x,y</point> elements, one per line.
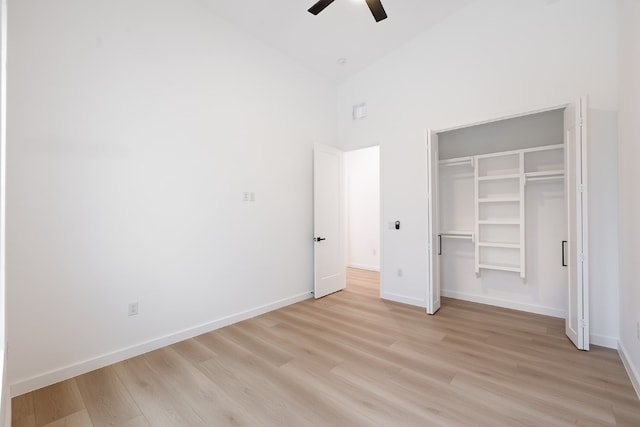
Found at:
<point>576,324</point>
<point>433,224</point>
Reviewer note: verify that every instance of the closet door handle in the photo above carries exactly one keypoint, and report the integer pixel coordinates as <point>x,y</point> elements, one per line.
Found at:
<point>564,244</point>
<point>439,244</point>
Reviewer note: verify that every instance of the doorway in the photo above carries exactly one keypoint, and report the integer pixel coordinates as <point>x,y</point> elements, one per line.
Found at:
<point>362,172</point>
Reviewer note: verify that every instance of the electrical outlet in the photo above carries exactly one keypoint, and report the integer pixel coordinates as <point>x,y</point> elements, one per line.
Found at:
<point>133,309</point>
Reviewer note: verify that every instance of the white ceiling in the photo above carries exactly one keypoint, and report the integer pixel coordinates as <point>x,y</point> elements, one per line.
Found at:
<point>345,29</point>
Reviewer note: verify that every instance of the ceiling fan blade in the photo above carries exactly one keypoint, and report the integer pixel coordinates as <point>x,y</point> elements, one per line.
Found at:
<point>376,9</point>
<point>319,6</point>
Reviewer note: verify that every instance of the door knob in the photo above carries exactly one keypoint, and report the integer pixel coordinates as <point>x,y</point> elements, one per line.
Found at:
<point>319,239</point>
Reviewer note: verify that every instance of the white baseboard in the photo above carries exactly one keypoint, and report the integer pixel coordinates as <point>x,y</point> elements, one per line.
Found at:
<point>403,299</point>
<point>632,370</point>
<point>603,341</point>
<point>531,308</point>
<point>70,371</point>
<point>365,267</point>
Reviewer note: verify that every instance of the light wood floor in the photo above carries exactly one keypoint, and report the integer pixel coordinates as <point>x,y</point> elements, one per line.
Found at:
<point>351,359</point>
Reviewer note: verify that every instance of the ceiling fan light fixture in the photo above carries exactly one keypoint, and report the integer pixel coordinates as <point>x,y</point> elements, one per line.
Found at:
<point>375,6</point>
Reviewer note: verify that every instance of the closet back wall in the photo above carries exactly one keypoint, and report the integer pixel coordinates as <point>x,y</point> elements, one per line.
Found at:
<point>134,130</point>
<point>526,131</point>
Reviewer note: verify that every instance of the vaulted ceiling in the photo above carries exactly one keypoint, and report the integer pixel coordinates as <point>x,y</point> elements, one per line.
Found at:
<point>346,29</point>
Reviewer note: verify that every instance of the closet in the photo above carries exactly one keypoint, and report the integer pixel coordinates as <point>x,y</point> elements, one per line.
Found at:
<point>503,222</point>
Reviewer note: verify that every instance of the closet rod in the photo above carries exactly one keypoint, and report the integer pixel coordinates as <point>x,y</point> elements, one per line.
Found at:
<point>545,178</point>
<point>454,234</point>
<point>457,236</point>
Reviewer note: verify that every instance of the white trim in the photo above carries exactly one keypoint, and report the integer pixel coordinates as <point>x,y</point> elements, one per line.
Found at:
<point>403,299</point>
<point>70,371</point>
<point>604,341</point>
<point>633,371</point>
<point>364,266</point>
<point>531,308</point>
<point>383,221</point>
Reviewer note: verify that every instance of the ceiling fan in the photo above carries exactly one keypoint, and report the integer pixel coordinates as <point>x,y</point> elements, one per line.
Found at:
<point>374,5</point>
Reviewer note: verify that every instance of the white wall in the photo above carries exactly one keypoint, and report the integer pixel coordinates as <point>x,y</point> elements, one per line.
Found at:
<point>494,58</point>
<point>363,208</point>
<point>134,129</point>
<point>629,150</point>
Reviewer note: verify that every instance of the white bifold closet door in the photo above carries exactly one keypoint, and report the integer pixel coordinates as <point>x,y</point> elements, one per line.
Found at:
<point>433,244</point>
<point>575,131</point>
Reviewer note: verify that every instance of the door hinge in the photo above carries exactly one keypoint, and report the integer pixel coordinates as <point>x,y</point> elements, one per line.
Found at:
<point>583,323</point>
<point>581,188</point>
<point>581,257</point>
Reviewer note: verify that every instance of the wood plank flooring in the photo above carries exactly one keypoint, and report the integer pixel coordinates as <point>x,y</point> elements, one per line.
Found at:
<point>351,359</point>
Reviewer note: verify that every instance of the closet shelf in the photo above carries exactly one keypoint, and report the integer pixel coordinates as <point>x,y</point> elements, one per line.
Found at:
<point>546,178</point>
<point>525,150</point>
<point>556,172</point>
<point>501,267</point>
<point>499,199</point>
<point>499,177</point>
<point>499,222</point>
<point>499,245</point>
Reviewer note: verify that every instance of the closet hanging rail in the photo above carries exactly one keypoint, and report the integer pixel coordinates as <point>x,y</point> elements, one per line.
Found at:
<point>544,178</point>
<point>458,235</point>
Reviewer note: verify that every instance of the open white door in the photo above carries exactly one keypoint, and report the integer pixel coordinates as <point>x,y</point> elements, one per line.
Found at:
<point>434,242</point>
<point>328,220</point>
<point>575,126</point>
